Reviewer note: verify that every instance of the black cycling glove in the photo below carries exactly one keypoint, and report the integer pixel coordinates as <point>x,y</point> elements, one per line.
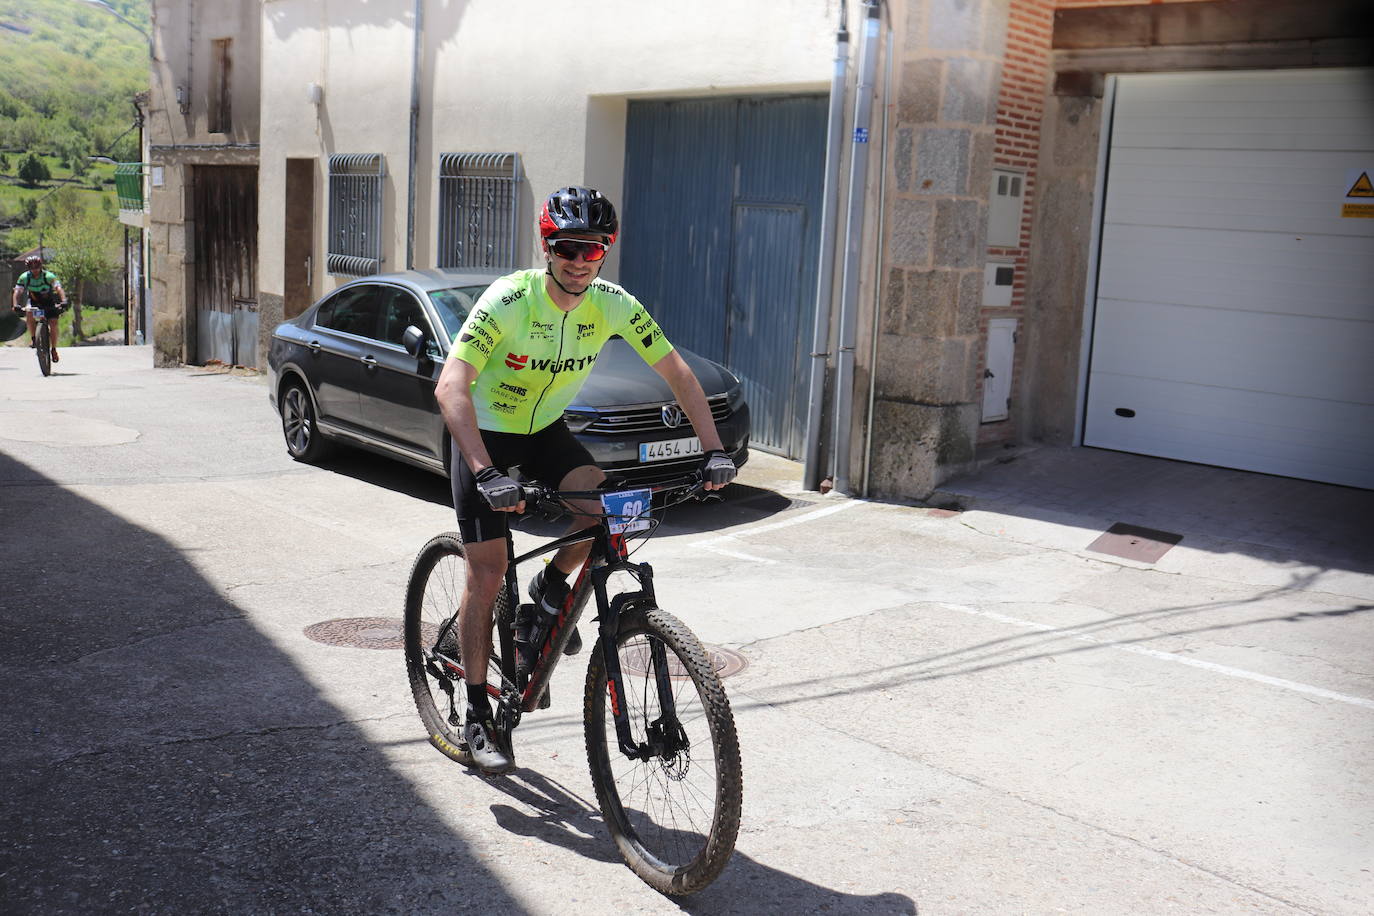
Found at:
<point>497,489</point>
<point>717,468</point>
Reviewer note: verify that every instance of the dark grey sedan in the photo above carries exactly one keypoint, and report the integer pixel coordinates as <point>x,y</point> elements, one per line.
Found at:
<point>359,367</point>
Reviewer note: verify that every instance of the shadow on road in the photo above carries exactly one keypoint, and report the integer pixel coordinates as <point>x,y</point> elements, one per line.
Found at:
<point>1224,511</point>
<point>548,811</point>
<point>162,754</point>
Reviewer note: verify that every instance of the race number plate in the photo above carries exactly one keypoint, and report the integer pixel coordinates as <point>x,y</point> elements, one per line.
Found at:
<point>669,449</point>
<point>627,510</point>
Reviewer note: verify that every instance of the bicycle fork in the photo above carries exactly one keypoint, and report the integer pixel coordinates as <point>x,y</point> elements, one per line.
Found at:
<point>665,735</point>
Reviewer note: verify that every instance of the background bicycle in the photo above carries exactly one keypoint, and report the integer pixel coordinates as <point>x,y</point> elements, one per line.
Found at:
<point>43,341</point>
<point>660,737</point>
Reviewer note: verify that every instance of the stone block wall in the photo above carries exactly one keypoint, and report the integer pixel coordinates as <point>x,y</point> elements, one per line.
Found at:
<point>947,72</point>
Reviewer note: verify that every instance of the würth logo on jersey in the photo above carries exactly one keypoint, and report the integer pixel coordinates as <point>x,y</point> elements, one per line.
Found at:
<point>517,362</point>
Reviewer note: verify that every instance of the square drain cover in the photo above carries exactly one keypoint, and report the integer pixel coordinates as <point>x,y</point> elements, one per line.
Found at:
<point>1131,542</point>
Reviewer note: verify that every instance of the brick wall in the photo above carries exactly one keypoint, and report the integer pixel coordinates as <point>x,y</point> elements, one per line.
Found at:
<point>1020,106</point>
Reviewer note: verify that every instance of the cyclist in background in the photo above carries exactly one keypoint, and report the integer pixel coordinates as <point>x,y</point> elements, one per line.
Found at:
<point>519,359</point>
<point>43,290</point>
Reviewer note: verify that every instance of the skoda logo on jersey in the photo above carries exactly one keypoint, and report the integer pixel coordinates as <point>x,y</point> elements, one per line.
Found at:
<point>672,415</point>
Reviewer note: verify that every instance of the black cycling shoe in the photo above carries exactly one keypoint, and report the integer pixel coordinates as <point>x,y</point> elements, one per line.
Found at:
<point>549,602</point>
<point>480,735</point>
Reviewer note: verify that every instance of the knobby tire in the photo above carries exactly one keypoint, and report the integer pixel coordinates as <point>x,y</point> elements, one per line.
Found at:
<point>697,795</point>
<point>44,346</point>
<point>433,593</point>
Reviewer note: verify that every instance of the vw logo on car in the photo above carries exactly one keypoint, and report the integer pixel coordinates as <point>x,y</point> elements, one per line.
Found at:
<point>672,416</point>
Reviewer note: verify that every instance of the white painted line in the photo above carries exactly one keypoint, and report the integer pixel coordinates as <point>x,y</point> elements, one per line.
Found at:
<point>787,523</point>
<point>1171,657</point>
<point>737,554</point>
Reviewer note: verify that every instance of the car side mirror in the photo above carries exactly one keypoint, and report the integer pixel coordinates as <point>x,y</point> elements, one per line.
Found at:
<point>414,341</point>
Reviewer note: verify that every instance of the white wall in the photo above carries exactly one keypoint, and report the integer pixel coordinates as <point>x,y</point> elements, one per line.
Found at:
<point>548,81</point>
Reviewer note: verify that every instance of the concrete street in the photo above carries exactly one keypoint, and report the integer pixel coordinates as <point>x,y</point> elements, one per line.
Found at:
<point>957,710</point>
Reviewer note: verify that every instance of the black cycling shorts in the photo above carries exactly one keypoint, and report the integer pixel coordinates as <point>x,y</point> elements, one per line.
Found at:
<point>547,456</point>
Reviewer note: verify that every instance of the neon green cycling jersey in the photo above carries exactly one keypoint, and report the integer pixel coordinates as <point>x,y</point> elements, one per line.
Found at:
<point>532,357</point>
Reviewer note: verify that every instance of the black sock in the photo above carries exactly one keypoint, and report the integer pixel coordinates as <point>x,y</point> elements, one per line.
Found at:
<point>477,698</point>
<point>553,574</point>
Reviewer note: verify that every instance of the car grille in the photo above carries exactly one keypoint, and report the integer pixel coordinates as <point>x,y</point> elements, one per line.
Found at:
<point>619,421</point>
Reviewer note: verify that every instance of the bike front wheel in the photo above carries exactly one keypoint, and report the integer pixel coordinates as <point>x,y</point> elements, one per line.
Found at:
<point>44,346</point>
<point>433,595</point>
<point>674,809</point>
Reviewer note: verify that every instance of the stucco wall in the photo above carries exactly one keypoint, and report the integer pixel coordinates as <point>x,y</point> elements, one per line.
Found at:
<point>498,76</point>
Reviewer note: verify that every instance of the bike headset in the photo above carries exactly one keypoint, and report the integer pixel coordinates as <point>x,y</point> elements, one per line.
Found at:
<point>577,209</point>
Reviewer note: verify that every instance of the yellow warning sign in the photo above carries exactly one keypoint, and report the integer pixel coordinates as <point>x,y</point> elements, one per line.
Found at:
<point>1362,187</point>
<point>1357,211</point>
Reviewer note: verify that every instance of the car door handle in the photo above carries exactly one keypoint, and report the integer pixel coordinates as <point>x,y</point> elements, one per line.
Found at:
<point>314,346</point>
<point>369,362</point>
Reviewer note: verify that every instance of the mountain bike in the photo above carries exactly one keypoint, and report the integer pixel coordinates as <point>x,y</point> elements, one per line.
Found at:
<point>42,339</point>
<point>660,736</point>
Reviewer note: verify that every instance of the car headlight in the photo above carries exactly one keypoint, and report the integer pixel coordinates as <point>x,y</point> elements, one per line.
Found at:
<point>734,396</point>
<point>578,421</point>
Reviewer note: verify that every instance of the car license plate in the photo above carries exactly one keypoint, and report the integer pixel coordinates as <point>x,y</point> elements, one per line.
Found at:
<point>669,449</point>
<point>627,510</point>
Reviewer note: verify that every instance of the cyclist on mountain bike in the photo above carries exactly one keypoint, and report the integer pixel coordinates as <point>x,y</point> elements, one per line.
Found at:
<point>518,361</point>
<point>43,290</point>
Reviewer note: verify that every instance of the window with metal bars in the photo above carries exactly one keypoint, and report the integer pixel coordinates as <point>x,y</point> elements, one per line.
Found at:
<point>355,214</point>
<point>478,210</point>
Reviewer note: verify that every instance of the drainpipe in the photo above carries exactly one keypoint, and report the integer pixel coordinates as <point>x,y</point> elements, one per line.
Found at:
<point>820,337</point>
<point>414,136</point>
<point>853,239</point>
<point>878,269</point>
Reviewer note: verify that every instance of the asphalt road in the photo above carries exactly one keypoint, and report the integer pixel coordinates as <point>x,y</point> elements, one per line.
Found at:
<point>940,712</point>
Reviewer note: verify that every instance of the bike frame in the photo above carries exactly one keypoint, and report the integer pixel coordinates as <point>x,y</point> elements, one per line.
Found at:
<point>609,555</point>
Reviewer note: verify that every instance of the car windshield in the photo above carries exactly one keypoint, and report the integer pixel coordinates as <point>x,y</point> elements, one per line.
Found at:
<point>453,305</point>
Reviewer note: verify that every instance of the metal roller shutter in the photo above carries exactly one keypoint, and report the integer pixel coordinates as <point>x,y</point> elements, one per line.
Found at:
<point>1234,318</point>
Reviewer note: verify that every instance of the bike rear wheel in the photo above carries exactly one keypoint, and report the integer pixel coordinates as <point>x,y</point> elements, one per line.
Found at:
<point>674,817</point>
<point>433,595</point>
<point>44,346</point>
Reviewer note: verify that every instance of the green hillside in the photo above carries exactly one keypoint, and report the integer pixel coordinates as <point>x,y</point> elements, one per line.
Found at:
<point>71,70</point>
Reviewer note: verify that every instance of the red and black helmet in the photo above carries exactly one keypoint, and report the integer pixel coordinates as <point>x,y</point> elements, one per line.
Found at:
<point>577,209</point>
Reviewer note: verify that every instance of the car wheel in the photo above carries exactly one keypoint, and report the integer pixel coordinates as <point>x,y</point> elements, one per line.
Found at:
<point>304,442</point>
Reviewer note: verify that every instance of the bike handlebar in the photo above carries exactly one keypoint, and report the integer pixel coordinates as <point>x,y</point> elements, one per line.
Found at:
<point>692,486</point>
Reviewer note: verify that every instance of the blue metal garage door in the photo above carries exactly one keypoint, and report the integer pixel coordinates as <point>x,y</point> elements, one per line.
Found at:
<point>722,232</point>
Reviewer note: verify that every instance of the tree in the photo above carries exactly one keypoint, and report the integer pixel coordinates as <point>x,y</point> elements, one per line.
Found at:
<point>85,245</point>
<point>33,170</point>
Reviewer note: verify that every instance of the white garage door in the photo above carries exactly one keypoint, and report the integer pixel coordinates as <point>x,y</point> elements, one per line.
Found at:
<point>1234,321</point>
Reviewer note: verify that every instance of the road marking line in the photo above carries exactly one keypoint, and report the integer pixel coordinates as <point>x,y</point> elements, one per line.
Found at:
<point>738,554</point>
<point>1171,657</point>
<point>787,523</point>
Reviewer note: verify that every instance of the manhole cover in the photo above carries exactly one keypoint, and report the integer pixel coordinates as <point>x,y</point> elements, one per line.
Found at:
<point>359,632</point>
<point>635,659</point>
<point>1132,542</point>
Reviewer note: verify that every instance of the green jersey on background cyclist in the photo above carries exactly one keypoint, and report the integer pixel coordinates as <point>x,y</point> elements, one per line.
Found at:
<point>520,358</point>
<point>42,288</point>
